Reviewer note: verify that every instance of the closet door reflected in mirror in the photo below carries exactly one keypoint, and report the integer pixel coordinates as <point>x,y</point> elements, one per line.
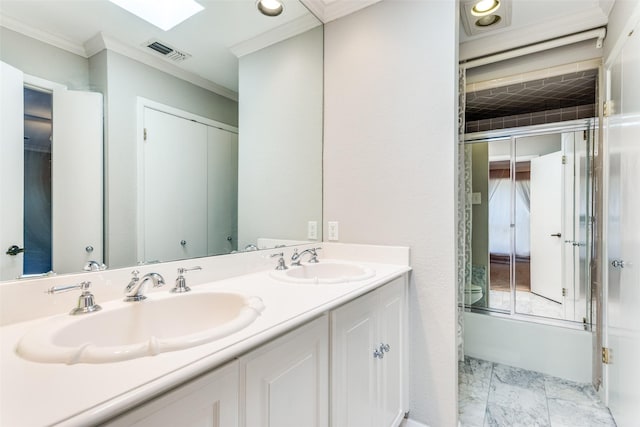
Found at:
<point>531,225</point>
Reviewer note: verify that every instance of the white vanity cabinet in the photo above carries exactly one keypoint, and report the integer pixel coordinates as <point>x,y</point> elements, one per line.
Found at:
<point>286,382</point>
<point>208,401</point>
<point>368,368</point>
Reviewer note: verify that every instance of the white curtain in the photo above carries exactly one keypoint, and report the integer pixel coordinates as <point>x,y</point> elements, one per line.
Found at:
<point>500,216</point>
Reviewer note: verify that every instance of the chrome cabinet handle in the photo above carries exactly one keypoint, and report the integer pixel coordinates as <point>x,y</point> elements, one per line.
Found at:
<point>617,263</point>
<point>378,353</point>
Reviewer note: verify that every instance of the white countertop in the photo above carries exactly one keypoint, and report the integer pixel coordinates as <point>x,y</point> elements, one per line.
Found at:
<point>39,394</point>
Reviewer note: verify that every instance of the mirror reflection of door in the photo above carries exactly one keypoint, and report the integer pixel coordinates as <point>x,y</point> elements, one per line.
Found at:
<point>189,184</point>
<point>11,170</point>
<point>51,158</point>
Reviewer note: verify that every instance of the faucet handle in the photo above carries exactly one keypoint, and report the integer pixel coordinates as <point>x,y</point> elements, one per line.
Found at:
<point>86,302</point>
<point>181,282</point>
<point>314,255</point>
<point>281,263</point>
<point>182,270</point>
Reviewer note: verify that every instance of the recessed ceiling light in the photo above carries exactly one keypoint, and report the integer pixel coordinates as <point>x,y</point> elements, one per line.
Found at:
<point>485,7</point>
<point>485,21</point>
<point>164,14</point>
<point>270,7</point>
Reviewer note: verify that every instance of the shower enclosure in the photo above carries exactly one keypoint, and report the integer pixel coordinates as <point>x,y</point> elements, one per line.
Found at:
<point>531,201</point>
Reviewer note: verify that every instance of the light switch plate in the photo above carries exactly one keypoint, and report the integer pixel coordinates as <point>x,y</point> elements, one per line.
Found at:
<point>476,198</point>
<point>312,230</point>
<point>332,227</point>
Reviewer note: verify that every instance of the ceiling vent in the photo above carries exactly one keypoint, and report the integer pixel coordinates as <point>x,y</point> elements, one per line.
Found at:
<point>166,51</point>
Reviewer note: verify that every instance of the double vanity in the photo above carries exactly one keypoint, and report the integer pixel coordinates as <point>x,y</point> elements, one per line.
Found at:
<point>248,345</point>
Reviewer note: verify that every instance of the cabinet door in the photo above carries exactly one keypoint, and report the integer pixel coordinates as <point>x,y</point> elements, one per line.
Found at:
<point>209,401</point>
<point>353,375</point>
<point>391,380</point>
<point>286,381</point>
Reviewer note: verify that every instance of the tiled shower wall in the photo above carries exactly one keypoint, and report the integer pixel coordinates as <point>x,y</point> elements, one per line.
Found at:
<point>528,119</point>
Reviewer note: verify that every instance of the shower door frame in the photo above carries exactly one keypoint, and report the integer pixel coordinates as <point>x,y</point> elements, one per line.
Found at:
<point>511,134</point>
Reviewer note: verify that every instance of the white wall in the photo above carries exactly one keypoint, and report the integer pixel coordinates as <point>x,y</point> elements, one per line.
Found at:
<point>122,82</point>
<point>389,168</point>
<point>527,146</point>
<point>42,60</point>
<point>280,139</point>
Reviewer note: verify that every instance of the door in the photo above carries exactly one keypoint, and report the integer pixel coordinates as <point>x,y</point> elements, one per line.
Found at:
<point>623,235</point>
<point>546,226</point>
<point>391,367</point>
<point>354,335</point>
<point>76,180</point>
<point>175,187</point>
<point>222,152</point>
<point>211,400</point>
<point>11,170</point>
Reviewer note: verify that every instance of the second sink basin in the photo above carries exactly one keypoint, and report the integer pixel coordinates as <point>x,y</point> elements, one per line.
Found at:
<point>324,272</point>
<point>137,329</point>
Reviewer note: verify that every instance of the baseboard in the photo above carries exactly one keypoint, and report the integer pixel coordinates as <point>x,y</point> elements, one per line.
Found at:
<point>412,423</point>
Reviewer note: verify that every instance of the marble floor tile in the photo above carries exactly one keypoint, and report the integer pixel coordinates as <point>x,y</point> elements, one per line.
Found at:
<point>516,398</point>
<point>568,413</point>
<point>575,404</point>
<point>474,377</point>
<point>495,395</point>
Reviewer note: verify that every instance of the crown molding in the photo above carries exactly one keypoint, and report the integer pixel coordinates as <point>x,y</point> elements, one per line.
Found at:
<point>283,32</point>
<point>101,41</point>
<point>43,36</point>
<point>329,10</point>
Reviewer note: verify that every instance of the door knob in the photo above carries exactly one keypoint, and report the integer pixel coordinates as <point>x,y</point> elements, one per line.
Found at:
<point>14,250</point>
<point>556,235</point>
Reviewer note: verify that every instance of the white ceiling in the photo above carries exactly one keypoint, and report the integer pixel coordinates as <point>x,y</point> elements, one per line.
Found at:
<point>209,36</point>
<point>227,28</point>
<point>533,21</point>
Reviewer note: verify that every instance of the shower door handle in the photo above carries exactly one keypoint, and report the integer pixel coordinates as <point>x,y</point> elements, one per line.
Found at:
<point>558,235</point>
<point>617,263</point>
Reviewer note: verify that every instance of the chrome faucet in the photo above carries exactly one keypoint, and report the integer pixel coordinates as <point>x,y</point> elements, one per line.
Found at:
<point>92,265</point>
<point>135,289</point>
<point>297,257</point>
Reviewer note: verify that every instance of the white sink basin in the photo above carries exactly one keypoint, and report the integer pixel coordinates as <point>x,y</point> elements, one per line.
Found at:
<point>324,272</point>
<point>137,329</point>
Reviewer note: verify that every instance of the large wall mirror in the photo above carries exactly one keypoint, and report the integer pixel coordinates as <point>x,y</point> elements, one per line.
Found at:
<point>200,140</point>
<point>531,230</point>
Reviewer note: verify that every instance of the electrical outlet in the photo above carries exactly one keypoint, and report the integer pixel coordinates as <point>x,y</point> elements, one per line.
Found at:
<point>312,230</point>
<point>332,227</point>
